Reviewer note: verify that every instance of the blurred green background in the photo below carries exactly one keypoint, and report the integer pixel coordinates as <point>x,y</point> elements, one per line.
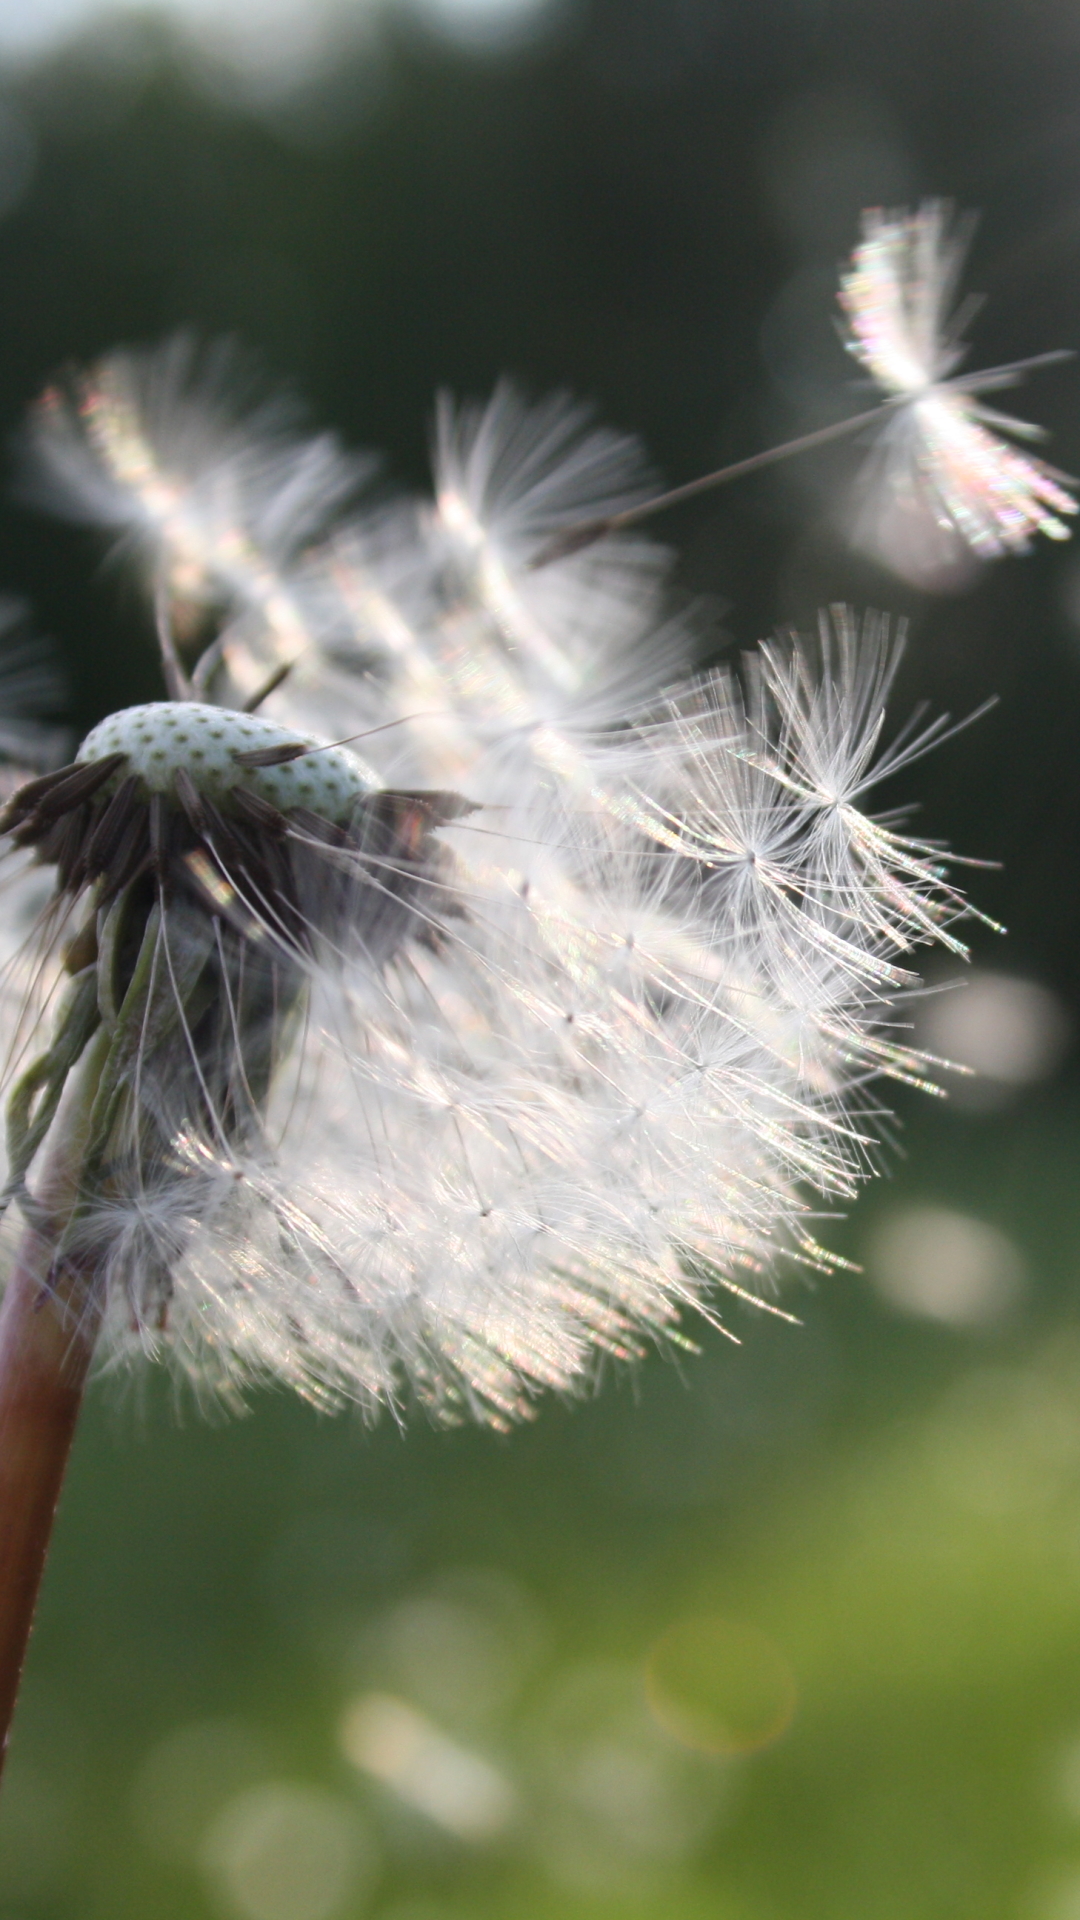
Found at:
<point>784,1630</point>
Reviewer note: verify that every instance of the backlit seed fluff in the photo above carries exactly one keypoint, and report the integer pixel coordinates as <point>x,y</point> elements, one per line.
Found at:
<point>943,481</point>
<point>434,1063</point>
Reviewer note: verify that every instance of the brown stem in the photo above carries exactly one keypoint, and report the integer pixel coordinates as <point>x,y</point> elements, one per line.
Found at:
<point>50,1316</point>
<point>47,1340</point>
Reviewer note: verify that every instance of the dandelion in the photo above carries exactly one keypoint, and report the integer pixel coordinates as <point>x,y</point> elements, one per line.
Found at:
<point>444,987</point>
<point>942,481</point>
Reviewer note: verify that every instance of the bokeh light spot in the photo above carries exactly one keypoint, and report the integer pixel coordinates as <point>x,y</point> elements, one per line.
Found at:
<point>458,1650</point>
<point>287,1851</point>
<point>483,24</point>
<point>1060,1900</point>
<point>458,1789</point>
<point>946,1266</point>
<point>187,1778</point>
<point>720,1685</point>
<point>1009,1033</point>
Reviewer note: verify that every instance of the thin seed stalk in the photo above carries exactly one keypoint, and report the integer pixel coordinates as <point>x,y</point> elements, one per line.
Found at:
<point>50,1317</point>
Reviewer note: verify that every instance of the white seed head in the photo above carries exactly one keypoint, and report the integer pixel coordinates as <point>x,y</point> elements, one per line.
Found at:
<point>450,1116</point>
<point>207,743</point>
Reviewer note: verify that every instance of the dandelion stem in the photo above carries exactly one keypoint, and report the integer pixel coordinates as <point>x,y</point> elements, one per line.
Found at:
<point>49,1321</point>
<point>573,539</point>
<point>45,1354</point>
<point>176,680</point>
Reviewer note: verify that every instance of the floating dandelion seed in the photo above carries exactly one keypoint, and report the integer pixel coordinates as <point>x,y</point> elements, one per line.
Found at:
<point>180,452</point>
<point>436,1062</point>
<point>941,487</point>
<point>942,480</point>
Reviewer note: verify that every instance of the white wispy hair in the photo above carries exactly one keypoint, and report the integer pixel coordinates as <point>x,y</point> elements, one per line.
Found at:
<point>508,477</point>
<point>942,482</point>
<point>483,1120</point>
<point>32,686</point>
<point>182,452</point>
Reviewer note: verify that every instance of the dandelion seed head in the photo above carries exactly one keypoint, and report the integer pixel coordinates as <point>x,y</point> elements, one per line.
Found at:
<point>375,1150</point>
<point>413,1097</point>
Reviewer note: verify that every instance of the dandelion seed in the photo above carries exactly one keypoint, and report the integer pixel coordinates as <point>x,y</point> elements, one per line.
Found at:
<point>942,480</point>
<point>941,488</point>
<point>185,459</point>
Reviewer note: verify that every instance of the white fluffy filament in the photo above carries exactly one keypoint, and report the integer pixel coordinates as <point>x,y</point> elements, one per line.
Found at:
<point>613,1080</point>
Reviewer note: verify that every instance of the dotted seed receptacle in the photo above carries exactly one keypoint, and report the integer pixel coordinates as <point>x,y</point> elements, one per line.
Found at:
<point>164,736</point>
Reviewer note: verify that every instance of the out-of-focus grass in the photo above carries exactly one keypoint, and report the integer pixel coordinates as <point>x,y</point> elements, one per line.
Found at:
<point>891,1510</point>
